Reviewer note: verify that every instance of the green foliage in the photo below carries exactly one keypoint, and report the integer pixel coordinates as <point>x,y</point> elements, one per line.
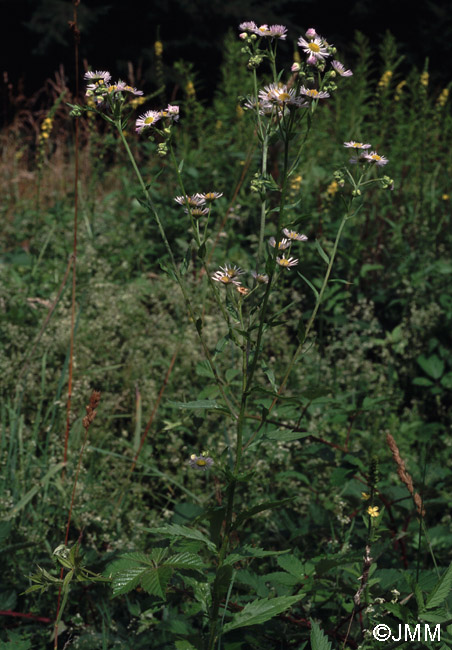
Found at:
<point>368,351</point>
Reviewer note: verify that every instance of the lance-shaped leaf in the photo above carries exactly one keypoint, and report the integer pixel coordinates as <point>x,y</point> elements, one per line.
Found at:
<point>260,611</point>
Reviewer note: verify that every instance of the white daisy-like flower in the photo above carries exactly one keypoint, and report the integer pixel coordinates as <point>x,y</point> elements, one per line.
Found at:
<point>340,69</point>
<point>375,158</point>
<point>313,93</point>
<point>170,112</point>
<point>100,75</point>
<point>122,87</point>
<point>286,262</point>
<point>249,26</point>
<point>277,31</point>
<point>261,31</point>
<point>356,145</point>
<point>294,236</point>
<point>279,94</point>
<point>282,245</point>
<point>147,120</point>
<point>194,201</point>
<point>315,48</point>
<point>202,462</point>
<point>197,212</point>
<point>232,271</point>
<point>261,278</point>
<point>264,107</point>
<point>211,196</point>
<point>224,278</point>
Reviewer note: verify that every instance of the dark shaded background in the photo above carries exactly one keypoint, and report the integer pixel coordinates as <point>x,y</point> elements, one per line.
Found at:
<point>35,37</point>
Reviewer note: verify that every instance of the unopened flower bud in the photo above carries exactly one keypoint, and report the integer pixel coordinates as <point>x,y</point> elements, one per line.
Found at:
<point>295,67</point>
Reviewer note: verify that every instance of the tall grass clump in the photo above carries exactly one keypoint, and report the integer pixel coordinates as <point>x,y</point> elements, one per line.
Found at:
<point>265,313</point>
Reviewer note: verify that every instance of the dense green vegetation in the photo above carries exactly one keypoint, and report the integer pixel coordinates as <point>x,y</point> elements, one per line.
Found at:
<point>322,483</point>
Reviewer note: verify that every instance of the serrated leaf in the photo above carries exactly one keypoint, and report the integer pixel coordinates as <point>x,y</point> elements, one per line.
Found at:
<point>155,581</point>
<point>260,611</point>
<point>126,580</point>
<point>439,616</point>
<point>246,552</point>
<point>433,365</point>
<point>292,565</point>
<point>441,590</point>
<point>319,640</point>
<point>126,561</point>
<point>176,530</point>
<point>185,561</point>
<point>286,435</point>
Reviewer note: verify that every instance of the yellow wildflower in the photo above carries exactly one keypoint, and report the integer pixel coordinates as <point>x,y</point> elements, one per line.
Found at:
<point>398,90</point>
<point>372,511</point>
<point>445,197</point>
<point>158,48</point>
<point>365,496</point>
<point>295,183</point>
<point>190,89</point>
<point>332,188</point>
<point>442,99</point>
<point>385,79</point>
<point>423,80</point>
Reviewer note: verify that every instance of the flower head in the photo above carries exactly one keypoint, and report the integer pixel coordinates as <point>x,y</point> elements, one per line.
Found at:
<point>122,87</point>
<point>291,234</point>
<point>373,511</point>
<point>356,145</point>
<point>211,196</point>
<point>311,33</point>
<point>340,69</point>
<point>365,496</point>
<point>147,120</point>
<point>277,31</point>
<point>242,290</point>
<point>261,278</point>
<point>313,93</point>
<point>100,77</point>
<point>279,94</point>
<point>171,113</point>
<point>228,275</point>
<point>286,262</point>
<point>194,201</point>
<point>249,26</point>
<point>202,462</point>
<point>197,212</point>
<point>315,48</point>
<point>375,158</point>
<point>282,244</point>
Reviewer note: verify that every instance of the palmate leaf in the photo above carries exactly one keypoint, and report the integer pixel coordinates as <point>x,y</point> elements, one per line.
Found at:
<point>260,611</point>
<point>151,573</point>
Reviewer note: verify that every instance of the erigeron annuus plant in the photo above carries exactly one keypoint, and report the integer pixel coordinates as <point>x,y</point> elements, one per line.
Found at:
<point>282,111</point>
